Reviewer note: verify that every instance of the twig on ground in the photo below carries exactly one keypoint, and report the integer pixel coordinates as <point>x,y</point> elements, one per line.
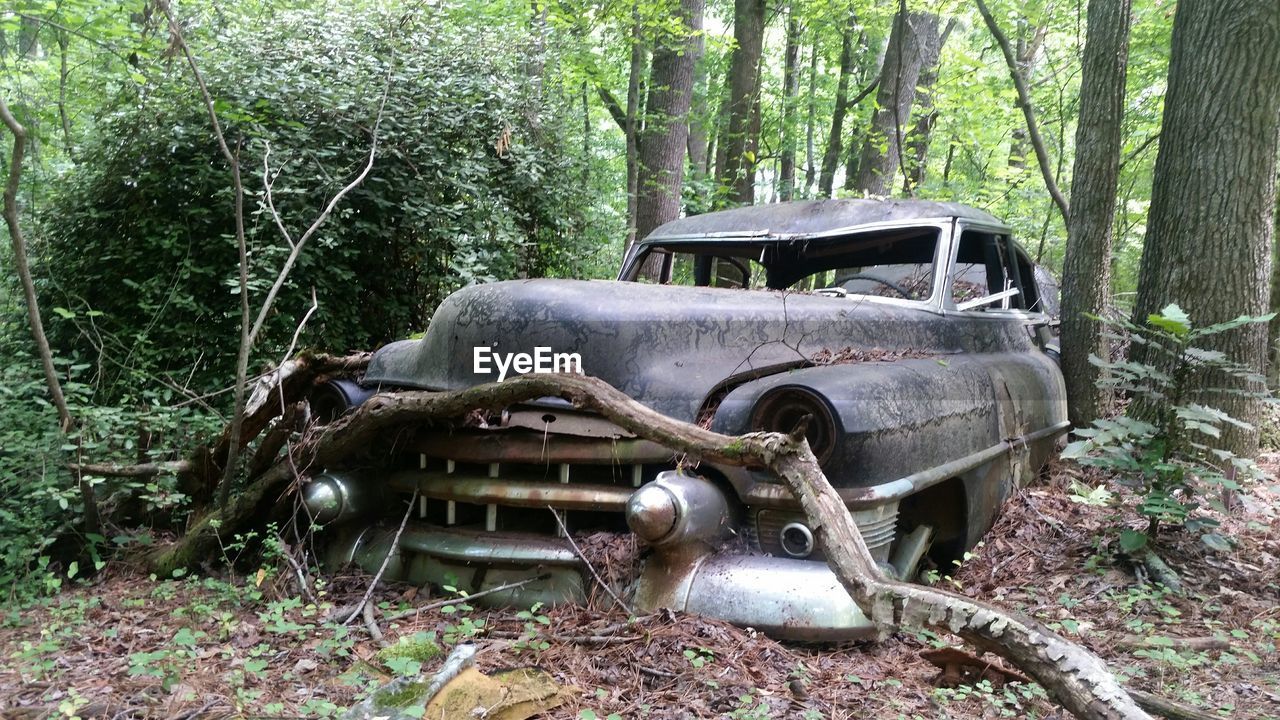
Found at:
<point>301,575</point>
<point>395,547</point>
<point>1196,644</point>
<point>371,624</point>
<point>1168,708</point>
<point>575,639</point>
<point>625,608</point>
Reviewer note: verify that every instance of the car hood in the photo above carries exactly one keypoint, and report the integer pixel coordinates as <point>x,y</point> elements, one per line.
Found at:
<point>666,346</point>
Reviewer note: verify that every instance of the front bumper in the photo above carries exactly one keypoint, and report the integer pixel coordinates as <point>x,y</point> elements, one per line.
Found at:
<point>699,567</point>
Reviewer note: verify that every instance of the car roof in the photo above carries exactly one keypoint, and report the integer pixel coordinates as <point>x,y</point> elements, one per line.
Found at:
<point>811,217</point>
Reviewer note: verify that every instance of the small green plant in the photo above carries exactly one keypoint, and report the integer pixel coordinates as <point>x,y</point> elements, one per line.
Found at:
<point>1162,446</point>
<point>530,638</point>
<point>749,707</point>
<point>700,656</point>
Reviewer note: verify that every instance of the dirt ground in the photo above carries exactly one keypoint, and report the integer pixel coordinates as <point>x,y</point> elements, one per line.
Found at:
<point>130,646</point>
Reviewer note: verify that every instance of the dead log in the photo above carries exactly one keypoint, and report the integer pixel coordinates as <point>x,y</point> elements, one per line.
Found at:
<point>1079,680</point>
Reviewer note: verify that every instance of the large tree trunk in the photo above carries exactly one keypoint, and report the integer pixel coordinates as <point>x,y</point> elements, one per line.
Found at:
<point>666,132</point>
<point>1209,231</point>
<point>1086,275</point>
<point>790,92</point>
<point>926,114</point>
<point>835,139</point>
<point>1273,327</point>
<point>881,155</point>
<point>743,134</point>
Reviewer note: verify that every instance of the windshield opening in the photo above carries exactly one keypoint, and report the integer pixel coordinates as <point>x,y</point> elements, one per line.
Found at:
<point>897,263</point>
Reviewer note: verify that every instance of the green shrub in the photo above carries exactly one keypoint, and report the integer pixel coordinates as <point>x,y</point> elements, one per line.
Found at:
<point>1165,452</point>
<point>41,507</point>
<point>474,181</point>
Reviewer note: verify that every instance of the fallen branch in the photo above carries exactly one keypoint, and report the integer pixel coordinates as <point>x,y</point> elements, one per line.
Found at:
<point>1079,680</point>
<point>1194,644</point>
<point>371,624</point>
<point>174,467</point>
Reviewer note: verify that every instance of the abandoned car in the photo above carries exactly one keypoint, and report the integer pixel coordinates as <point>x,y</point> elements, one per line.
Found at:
<point>917,336</point>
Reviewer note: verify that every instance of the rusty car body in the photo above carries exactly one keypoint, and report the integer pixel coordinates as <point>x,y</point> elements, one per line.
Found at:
<point>917,337</point>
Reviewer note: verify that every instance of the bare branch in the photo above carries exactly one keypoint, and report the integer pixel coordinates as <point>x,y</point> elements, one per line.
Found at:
<point>233,159</point>
<point>268,181</point>
<point>24,268</point>
<point>296,248</point>
<point>395,545</point>
<point>586,561</point>
<point>1028,112</point>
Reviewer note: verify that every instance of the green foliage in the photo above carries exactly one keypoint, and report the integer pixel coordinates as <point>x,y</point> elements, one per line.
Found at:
<point>41,504</point>
<point>1165,452</point>
<point>471,183</point>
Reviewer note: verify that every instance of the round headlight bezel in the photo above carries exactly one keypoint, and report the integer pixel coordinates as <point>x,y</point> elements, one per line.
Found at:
<point>781,409</point>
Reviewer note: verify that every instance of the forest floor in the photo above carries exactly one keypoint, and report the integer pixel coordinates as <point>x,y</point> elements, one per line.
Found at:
<point>130,646</point>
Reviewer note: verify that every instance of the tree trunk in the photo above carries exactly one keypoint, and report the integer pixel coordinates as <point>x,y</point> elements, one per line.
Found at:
<point>1026,52</point>
<point>810,123</point>
<point>790,92</point>
<point>926,114</point>
<point>699,139</point>
<point>1086,274</point>
<point>881,157</point>
<point>24,270</point>
<point>831,158</point>
<point>1213,198</point>
<point>1273,327</point>
<point>743,134</point>
<point>631,129</point>
<point>662,146</point>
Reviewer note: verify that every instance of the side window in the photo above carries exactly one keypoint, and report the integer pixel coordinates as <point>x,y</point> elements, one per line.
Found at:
<point>896,264</point>
<point>990,274</point>
<point>670,266</point>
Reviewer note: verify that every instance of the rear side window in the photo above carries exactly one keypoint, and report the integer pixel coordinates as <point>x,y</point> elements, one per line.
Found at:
<point>991,273</point>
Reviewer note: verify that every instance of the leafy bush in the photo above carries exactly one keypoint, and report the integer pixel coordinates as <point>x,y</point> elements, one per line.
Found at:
<point>473,182</point>
<point>41,507</point>
<point>1165,452</point>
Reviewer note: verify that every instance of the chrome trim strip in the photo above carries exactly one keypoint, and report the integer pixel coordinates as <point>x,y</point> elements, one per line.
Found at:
<point>482,490</point>
<point>771,495</point>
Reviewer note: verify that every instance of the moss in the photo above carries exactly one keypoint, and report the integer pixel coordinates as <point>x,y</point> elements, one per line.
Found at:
<point>400,695</point>
<point>421,647</point>
<point>733,448</point>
